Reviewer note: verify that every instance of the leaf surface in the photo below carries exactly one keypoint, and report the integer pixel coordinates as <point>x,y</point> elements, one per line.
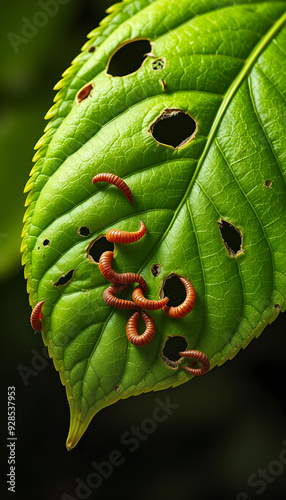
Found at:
<point>223,65</point>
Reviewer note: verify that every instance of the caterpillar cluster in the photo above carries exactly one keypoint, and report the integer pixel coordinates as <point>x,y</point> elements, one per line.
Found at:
<point>119,283</point>
<point>140,303</point>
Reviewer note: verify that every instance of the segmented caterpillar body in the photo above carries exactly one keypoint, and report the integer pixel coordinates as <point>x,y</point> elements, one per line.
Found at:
<point>108,296</point>
<point>116,236</point>
<point>116,181</point>
<point>131,329</point>
<point>144,303</point>
<point>36,316</point>
<point>199,356</point>
<point>114,277</point>
<point>186,306</point>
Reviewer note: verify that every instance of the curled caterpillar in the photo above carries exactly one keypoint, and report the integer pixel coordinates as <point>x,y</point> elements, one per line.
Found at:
<point>108,296</point>
<point>199,356</point>
<point>36,317</point>
<point>186,306</point>
<point>144,303</point>
<point>116,181</point>
<point>131,329</point>
<point>116,236</point>
<point>115,278</point>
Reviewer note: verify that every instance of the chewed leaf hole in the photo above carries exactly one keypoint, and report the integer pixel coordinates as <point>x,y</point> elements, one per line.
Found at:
<point>164,85</point>
<point>83,231</point>
<point>65,279</point>
<point>97,247</point>
<point>170,353</point>
<point>231,236</point>
<point>84,93</point>
<point>159,64</point>
<point>129,57</point>
<point>173,288</point>
<point>268,183</point>
<point>156,269</point>
<point>173,127</point>
<point>91,49</point>
<point>46,243</point>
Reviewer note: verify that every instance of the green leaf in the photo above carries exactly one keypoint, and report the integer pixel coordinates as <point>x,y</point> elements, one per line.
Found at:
<point>213,203</point>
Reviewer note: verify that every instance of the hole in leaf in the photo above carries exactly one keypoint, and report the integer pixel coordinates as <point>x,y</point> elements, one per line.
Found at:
<point>173,127</point>
<point>65,279</point>
<point>231,236</point>
<point>170,353</point>
<point>117,388</point>
<point>97,247</point>
<point>91,49</point>
<point>173,288</point>
<point>84,93</point>
<point>46,243</point>
<point>159,64</point>
<point>268,183</point>
<point>83,231</point>
<point>156,269</point>
<point>128,58</point>
<point>163,83</point>
<point>277,307</point>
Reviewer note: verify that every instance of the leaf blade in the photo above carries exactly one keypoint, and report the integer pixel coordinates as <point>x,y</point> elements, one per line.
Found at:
<point>182,195</point>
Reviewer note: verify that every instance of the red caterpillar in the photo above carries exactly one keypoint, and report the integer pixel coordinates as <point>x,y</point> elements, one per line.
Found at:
<point>116,236</point>
<point>143,303</point>
<point>115,278</point>
<point>108,296</point>
<point>36,317</point>
<point>131,329</point>
<point>116,181</point>
<point>186,306</point>
<point>200,356</point>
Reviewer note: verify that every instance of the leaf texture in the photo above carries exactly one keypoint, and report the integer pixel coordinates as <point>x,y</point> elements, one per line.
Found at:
<point>223,64</point>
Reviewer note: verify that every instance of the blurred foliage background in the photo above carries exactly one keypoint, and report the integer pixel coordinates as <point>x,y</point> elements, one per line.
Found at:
<point>228,424</point>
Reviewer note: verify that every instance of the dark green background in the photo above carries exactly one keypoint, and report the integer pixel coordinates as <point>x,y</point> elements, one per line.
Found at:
<point>229,423</point>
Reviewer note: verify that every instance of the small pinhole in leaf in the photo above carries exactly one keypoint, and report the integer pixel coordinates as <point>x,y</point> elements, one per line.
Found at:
<point>156,269</point>
<point>97,247</point>
<point>173,288</point>
<point>65,278</point>
<point>84,93</point>
<point>268,183</point>
<point>173,127</point>
<point>164,86</point>
<point>91,49</point>
<point>117,388</point>
<point>170,353</point>
<point>46,243</point>
<point>83,231</point>
<point>277,307</point>
<point>231,236</point>
<point>159,64</point>
<point>128,58</point>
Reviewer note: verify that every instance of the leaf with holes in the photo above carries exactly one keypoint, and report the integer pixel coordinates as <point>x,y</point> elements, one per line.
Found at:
<point>186,103</point>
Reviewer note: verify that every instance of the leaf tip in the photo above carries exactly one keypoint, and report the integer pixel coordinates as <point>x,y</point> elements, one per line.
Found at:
<point>76,430</point>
